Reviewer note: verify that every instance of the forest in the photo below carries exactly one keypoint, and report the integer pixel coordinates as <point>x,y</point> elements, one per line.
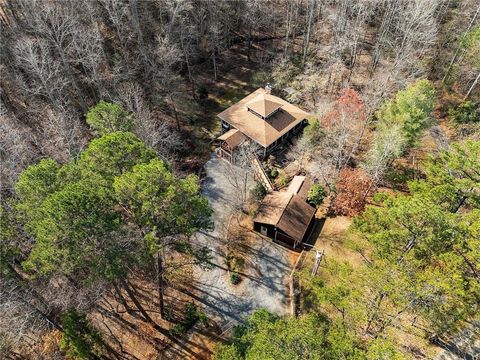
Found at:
<point>108,119</point>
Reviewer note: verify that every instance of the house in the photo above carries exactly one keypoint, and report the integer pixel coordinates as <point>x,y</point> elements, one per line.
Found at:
<point>265,119</point>
<point>285,216</point>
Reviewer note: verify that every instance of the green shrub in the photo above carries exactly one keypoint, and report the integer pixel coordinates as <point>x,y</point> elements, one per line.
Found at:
<point>168,313</point>
<point>235,263</point>
<point>274,173</point>
<point>178,330</point>
<point>316,195</point>
<point>79,339</point>
<point>258,192</point>
<point>238,263</point>
<point>106,117</point>
<point>235,278</point>
<point>283,180</point>
<point>202,317</point>
<point>191,315</point>
<point>465,112</point>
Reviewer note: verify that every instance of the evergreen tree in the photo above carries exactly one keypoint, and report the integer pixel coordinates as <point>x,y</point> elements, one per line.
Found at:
<point>268,336</point>
<point>106,117</point>
<point>410,109</point>
<point>167,210</point>
<point>111,211</point>
<point>79,340</point>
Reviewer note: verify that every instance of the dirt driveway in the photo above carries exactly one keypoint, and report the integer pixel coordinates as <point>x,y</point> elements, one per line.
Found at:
<point>268,265</point>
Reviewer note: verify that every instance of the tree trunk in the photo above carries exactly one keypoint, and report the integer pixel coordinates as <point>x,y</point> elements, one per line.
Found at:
<point>177,120</point>
<point>376,306</point>
<point>136,26</point>
<point>249,42</point>
<point>307,36</point>
<point>69,73</point>
<point>472,87</point>
<point>121,299</point>
<point>214,65</point>
<point>190,77</point>
<point>384,28</point>
<point>459,47</point>
<point>136,302</point>
<point>160,284</point>
<point>47,317</point>
<point>287,30</point>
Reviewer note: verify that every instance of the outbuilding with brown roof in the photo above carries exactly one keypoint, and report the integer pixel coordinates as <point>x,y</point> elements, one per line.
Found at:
<point>285,216</point>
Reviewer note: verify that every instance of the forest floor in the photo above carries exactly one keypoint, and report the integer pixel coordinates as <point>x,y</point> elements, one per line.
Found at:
<point>235,80</point>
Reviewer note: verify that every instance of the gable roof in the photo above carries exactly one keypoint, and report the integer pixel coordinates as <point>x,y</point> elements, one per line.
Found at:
<point>233,138</point>
<point>296,218</point>
<point>263,131</point>
<point>272,207</point>
<point>287,211</point>
<point>300,185</point>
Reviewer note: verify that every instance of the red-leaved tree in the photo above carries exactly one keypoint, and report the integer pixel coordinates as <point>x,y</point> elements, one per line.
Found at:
<point>348,105</point>
<point>353,187</point>
<point>344,125</point>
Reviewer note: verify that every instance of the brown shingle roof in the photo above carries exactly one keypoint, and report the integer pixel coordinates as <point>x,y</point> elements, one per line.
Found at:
<point>264,132</point>
<point>233,138</point>
<point>300,186</point>
<point>264,104</point>
<point>288,212</point>
<point>272,207</point>
<point>296,218</point>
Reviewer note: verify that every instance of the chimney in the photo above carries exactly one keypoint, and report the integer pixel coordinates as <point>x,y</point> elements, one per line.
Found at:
<point>268,88</point>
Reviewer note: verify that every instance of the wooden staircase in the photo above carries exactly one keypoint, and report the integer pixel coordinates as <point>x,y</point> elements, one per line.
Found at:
<point>260,175</point>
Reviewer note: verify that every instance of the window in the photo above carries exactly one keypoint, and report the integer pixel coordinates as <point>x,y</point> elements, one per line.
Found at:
<point>263,230</point>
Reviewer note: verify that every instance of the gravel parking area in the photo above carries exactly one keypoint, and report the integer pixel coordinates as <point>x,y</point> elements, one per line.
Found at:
<point>268,265</point>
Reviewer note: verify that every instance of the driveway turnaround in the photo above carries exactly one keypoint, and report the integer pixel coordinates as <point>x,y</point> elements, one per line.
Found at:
<point>268,265</point>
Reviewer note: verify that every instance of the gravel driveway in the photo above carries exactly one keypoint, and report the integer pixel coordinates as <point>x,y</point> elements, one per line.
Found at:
<point>464,346</point>
<point>268,265</point>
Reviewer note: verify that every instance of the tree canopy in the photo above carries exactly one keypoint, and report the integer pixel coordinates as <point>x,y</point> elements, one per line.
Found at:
<point>270,337</point>
<point>79,212</point>
<point>410,109</point>
<point>422,252</point>
<point>107,117</point>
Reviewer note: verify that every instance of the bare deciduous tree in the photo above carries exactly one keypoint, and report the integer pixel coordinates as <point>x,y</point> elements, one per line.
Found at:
<point>148,127</point>
<point>16,151</point>
<point>239,173</point>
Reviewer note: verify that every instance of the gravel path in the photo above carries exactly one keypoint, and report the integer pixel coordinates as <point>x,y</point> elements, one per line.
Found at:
<point>264,283</point>
<point>465,346</point>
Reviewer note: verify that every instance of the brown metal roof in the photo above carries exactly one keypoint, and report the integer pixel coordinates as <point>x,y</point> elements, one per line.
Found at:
<point>233,138</point>
<point>264,132</point>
